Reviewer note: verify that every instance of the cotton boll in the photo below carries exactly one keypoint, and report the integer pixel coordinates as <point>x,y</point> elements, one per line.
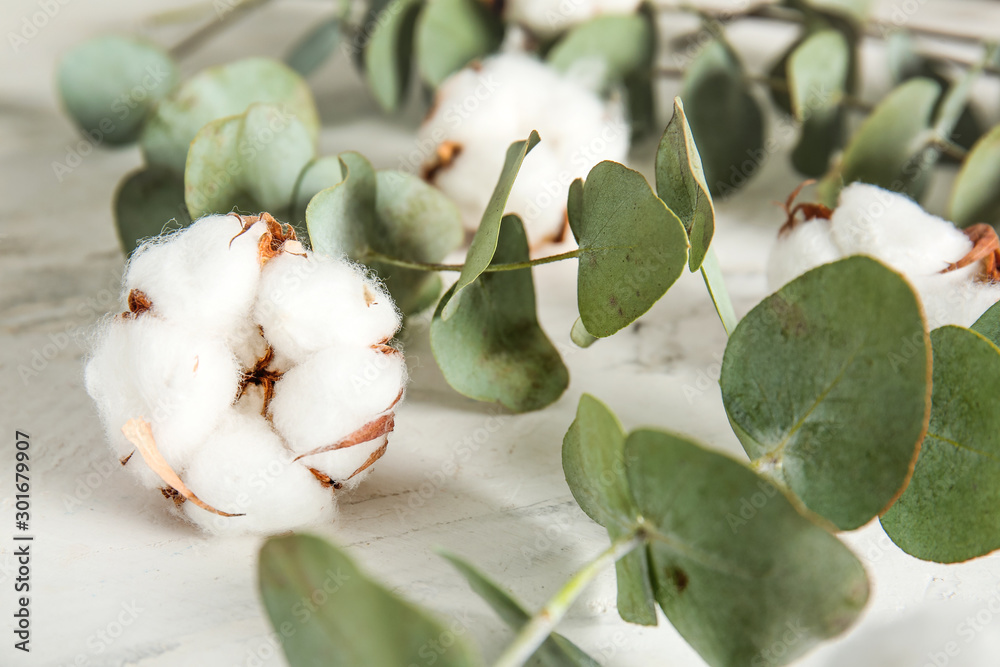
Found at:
<point>349,466</point>
<point>547,18</point>
<point>895,230</point>
<point>333,394</point>
<point>204,276</point>
<point>957,297</point>
<point>178,380</point>
<point>245,468</point>
<point>308,303</point>
<point>482,109</point>
<point>800,249</point>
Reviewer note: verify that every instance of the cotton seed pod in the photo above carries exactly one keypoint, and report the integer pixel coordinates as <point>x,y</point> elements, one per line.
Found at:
<point>253,378</point>
<point>547,18</point>
<point>482,109</point>
<point>954,271</point>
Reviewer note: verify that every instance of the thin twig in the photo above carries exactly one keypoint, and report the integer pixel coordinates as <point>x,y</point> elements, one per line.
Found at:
<point>372,256</point>
<point>222,19</point>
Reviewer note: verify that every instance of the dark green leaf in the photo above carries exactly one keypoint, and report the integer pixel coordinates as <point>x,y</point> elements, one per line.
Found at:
<point>680,183</point>
<point>949,512</point>
<point>353,621</point>
<point>988,324</point>
<point>556,651</point>
<point>632,249</point>
<point>574,207</point>
<point>492,348</point>
<point>453,33</point>
<point>388,56</point>
<point>147,202</point>
<point>219,92</point>
<point>593,461</point>
<point>623,43</point>
<point>484,243</point>
<point>744,577</point>
<point>725,117</point>
<point>975,196</point>
<point>315,47</point>
<point>110,84</point>
<point>827,384</point>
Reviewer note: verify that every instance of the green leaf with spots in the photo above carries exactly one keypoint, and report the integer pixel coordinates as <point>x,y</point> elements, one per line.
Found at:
<point>827,385</point>
<point>948,513</point>
<point>726,119</point>
<point>493,348</point>
<point>147,202</point>
<point>388,56</point>
<point>453,33</point>
<point>484,243</point>
<point>110,84</point>
<point>218,92</point>
<point>891,146</point>
<point>621,43</point>
<point>556,651</point>
<point>632,249</point>
<point>361,622</point>
<point>593,457</point>
<point>743,586</point>
<point>975,196</point>
<point>680,183</point>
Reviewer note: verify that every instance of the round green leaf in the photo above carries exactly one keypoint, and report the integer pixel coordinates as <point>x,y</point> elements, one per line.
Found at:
<point>622,42</point>
<point>988,324</point>
<point>147,202</point>
<point>219,92</point>
<point>492,348</point>
<point>321,173</point>
<point>632,249</point>
<point>827,385</point>
<point>341,218</point>
<point>388,56</point>
<point>725,117</point>
<point>949,512</point>
<point>453,33</point>
<point>315,47</point>
<point>361,623</point>
<point>975,196</point>
<point>888,148</point>
<point>110,84</point>
<point>736,568</point>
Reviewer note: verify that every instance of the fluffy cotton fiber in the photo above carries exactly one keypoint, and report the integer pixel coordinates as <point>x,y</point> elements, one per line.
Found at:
<point>263,369</point>
<point>895,230</point>
<point>482,109</point>
<point>546,18</point>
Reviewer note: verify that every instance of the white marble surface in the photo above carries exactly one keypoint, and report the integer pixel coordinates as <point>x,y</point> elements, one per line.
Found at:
<point>116,582</point>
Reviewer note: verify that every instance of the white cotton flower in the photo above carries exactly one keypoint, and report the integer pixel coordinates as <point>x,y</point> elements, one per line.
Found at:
<point>546,18</point>
<point>895,230</point>
<point>482,109</point>
<point>253,378</point>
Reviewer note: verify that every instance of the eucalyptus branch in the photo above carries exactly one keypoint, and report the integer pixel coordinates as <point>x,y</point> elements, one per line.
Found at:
<point>544,622</point>
<point>235,11</point>
<point>373,256</point>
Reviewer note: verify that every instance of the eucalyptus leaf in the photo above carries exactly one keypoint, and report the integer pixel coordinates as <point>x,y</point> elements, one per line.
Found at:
<point>988,324</point>
<point>632,249</point>
<point>574,207</point>
<point>318,175</point>
<point>618,43</point>
<point>218,92</point>
<point>890,149</point>
<point>818,71</point>
<point>358,622</point>
<point>827,385</point>
<point>484,243</point>
<point>580,336</point>
<point>593,461</point>
<point>453,33</point>
<point>556,651</point>
<point>493,348</point>
<point>341,217</point>
<point>856,10</point>
<point>148,201</point>
<point>680,183</point>
<point>741,575</point>
<point>109,85</point>
<point>711,272</point>
<point>949,513</point>
<point>388,56</point>
<point>974,195</point>
<point>315,47</point>
<point>726,119</point>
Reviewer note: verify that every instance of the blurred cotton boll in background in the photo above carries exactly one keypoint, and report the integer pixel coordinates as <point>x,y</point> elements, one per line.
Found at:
<point>954,285</point>
<point>481,110</point>
<point>546,18</point>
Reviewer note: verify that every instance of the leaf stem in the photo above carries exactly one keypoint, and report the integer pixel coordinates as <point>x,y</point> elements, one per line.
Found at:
<point>223,17</point>
<point>373,256</point>
<point>544,622</point>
